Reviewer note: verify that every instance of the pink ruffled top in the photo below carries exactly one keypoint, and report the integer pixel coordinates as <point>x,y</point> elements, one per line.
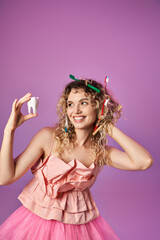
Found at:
<point>61,191</point>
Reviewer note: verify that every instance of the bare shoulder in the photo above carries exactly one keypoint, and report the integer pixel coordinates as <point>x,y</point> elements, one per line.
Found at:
<point>40,143</point>
<point>46,132</point>
<point>46,135</point>
<point>38,146</point>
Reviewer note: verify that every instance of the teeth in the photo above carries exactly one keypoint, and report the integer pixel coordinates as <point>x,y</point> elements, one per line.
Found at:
<point>78,118</point>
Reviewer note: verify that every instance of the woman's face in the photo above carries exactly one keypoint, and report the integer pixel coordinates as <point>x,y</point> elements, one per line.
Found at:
<point>80,111</point>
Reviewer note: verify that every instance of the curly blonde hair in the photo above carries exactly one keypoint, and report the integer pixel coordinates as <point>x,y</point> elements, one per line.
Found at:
<point>110,116</point>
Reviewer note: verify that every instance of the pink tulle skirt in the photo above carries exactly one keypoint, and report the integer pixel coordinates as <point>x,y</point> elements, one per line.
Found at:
<point>25,225</point>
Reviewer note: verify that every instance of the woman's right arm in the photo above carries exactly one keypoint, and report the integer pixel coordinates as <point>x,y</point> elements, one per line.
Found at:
<point>12,169</point>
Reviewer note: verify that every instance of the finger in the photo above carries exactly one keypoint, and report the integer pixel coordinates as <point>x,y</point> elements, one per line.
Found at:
<point>14,105</point>
<point>24,99</point>
<point>31,115</point>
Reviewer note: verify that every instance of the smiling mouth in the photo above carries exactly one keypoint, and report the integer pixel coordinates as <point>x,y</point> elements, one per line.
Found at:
<point>78,119</point>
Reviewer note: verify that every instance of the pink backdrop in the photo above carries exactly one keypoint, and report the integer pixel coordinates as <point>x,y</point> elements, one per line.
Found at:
<point>41,43</point>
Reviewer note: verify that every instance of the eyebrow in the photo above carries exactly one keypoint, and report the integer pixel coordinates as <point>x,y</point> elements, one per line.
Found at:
<point>79,100</point>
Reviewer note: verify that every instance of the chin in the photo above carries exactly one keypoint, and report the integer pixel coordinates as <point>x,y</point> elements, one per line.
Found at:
<point>86,127</point>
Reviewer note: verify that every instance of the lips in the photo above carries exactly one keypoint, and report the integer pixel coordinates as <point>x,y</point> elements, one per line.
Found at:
<point>78,119</point>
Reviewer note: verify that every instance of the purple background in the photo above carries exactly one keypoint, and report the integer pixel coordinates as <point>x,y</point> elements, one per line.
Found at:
<point>41,43</point>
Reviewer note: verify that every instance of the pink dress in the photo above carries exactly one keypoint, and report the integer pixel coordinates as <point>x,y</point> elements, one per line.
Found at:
<point>58,205</point>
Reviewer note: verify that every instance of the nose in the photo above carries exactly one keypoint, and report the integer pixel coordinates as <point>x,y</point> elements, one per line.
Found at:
<point>77,109</point>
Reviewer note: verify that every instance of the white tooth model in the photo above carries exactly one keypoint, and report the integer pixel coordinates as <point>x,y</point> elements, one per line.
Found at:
<point>33,103</point>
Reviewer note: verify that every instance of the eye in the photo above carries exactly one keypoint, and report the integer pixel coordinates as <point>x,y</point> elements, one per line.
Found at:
<point>84,103</point>
<point>69,104</point>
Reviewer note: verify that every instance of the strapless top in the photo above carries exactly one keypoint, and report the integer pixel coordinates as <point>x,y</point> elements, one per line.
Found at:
<point>61,191</point>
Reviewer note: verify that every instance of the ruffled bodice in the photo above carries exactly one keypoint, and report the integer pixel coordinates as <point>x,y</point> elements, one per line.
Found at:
<point>61,191</point>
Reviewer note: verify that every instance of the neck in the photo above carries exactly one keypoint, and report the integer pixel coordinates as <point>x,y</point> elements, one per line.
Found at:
<point>83,137</point>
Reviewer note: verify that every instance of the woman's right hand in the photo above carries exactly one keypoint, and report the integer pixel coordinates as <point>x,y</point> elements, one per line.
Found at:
<point>16,117</point>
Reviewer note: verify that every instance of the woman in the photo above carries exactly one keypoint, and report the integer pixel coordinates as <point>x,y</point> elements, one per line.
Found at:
<point>65,161</point>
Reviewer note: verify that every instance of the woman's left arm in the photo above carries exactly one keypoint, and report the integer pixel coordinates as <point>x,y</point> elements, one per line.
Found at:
<point>134,157</point>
